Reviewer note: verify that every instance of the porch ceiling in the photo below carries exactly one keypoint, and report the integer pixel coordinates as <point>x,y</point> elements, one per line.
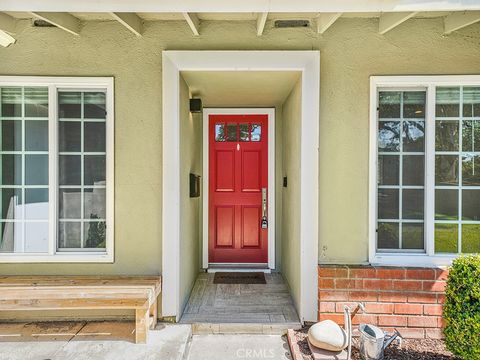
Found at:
<point>321,14</point>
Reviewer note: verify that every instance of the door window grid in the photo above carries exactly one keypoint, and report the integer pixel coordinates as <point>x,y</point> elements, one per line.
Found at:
<point>450,228</point>
<point>396,225</point>
<point>96,224</point>
<point>17,230</point>
<point>243,132</point>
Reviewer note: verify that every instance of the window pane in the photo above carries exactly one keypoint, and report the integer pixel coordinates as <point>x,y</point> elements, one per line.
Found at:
<point>471,101</point>
<point>387,236</point>
<point>471,238</point>
<point>388,136</point>
<point>69,170</point>
<point>11,204</point>
<point>412,204</point>
<point>413,136</point>
<point>446,170</point>
<point>69,105</point>
<point>231,132</point>
<point>471,205</point>
<point>94,170</point>
<point>70,203</point>
<point>413,172</point>
<point>94,105</point>
<point>412,236</point>
<point>447,102</point>
<point>389,104</point>
<point>11,169</point>
<point>387,203</point>
<point>414,104</point>
<point>69,235</point>
<point>36,102</point>
<point>95,234</point>
<point>446,204</point>
<point>244,132</point>
<point>446,238</point>
<point>36,204</point>
<point>36,135</point>
<point>94,137</point>
<point>388,169</point>
<point>11,237</point>
<point>11,98</point>
<point>446,135</point>
<point>36,237</point>
<point>219,132</point>
<point>95,203</point>
<point>69,136</point>
<point>11,135</point>
<point>471,170</point>
<point>471,135</point>
<point>256,134</point>
<point>36,169</point>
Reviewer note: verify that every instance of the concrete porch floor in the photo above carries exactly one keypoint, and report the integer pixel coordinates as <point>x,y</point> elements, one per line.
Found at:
<point>267,304</point>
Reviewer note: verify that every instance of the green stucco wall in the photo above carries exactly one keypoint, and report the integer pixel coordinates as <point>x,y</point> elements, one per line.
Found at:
<point>351,50</point>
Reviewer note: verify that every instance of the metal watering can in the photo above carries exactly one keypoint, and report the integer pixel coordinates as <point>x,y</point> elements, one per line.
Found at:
<point>373,341</point>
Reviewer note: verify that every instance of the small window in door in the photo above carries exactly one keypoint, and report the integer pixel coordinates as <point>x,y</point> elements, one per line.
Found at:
<point>244,133</point>
<point>231,132</point>
<point>256,133</point>
<point>219,132</point>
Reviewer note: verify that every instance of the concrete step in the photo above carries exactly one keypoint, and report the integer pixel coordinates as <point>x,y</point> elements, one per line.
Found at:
<point>244,328</point>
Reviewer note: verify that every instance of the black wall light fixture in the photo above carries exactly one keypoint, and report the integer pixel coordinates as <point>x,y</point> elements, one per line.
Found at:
<point>196,105</point>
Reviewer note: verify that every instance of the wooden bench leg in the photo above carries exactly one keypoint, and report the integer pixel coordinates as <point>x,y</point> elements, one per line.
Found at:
<point>141,325</point>
<point>153,315</point>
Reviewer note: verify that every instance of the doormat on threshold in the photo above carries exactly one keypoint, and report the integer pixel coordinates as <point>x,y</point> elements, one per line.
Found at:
<point>239,278</point>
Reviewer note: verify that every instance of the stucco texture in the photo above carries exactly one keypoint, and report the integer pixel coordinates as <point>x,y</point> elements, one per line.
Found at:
<point>351,51</point>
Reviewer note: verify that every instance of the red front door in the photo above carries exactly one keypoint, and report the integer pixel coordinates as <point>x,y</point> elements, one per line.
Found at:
<point>238,182</point>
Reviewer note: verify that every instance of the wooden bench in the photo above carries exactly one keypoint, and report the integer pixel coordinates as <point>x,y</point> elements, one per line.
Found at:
<point>138,293</point>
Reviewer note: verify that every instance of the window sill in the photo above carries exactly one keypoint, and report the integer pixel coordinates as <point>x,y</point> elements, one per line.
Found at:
<point>58,258</point>
<point>412,260</point>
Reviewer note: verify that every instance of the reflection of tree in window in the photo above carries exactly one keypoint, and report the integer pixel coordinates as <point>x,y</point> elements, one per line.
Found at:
<point>96,233</point>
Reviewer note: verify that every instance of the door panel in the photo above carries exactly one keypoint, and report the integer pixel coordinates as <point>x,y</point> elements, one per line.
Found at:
<point>238,170</point>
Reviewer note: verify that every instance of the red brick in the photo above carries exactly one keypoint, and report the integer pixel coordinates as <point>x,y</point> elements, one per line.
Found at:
<point>408,309</point>
<point>407,285</point>
<point>340,306</point>
<point>441,322</point>
<point>441,298</point>
<point>435,286</point>
<point>434,334</point>
<point>362,296</point>
<point>433,309</point>
<point>378,308</point>
<point>441,274</point>
<point>423,321</point>
<point>422,298</point>
<point>370,284</point>
<point>420,274</point>
<point>333,295</point>
<point>389,273</point>
<point>333,271</point>
<point>392,320</point>
<point>348,284</point>
<point>392,297</point>
<point>364,319</point>
<point>362,272</point>
<point>327,307</point>
<point>338,318</point>
<point>326,283</point>
<point>412,333</point>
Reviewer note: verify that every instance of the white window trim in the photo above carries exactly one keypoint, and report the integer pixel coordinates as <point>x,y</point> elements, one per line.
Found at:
<point>54,84</point>
<point>429,258</point>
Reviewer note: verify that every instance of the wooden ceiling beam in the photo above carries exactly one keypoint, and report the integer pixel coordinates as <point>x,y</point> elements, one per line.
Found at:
<point>261,21</point>
<point>457,21</point>
<point>325,20</point>
<point>389,21</point>
<point>63,21</point>
<point>131,21</point>
<point>193,22</point>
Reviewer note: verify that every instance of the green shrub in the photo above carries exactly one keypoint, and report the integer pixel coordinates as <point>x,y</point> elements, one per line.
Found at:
<point>462,308</point>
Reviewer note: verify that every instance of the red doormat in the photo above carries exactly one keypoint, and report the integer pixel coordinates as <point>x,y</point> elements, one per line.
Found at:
<point>239,278</point>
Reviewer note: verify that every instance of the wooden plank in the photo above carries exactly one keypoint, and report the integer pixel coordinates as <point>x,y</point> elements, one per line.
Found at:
<point>70,304</point>
<point>153,313</point>
<point>101,281</point>
<point>10,294</point>
<point>141,325</point>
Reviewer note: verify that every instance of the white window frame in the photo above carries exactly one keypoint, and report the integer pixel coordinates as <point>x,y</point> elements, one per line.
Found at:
<point>410,83</point>
<point>54,85</point>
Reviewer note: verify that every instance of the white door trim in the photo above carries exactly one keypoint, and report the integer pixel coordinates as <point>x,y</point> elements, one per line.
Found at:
<point>270,112</point>
<point>306,62</point>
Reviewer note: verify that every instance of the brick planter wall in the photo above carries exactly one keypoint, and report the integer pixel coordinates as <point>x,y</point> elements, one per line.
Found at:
<point>408,299</point>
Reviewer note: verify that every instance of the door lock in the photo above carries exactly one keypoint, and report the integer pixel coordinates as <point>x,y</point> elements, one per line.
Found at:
<point>264,209</point>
